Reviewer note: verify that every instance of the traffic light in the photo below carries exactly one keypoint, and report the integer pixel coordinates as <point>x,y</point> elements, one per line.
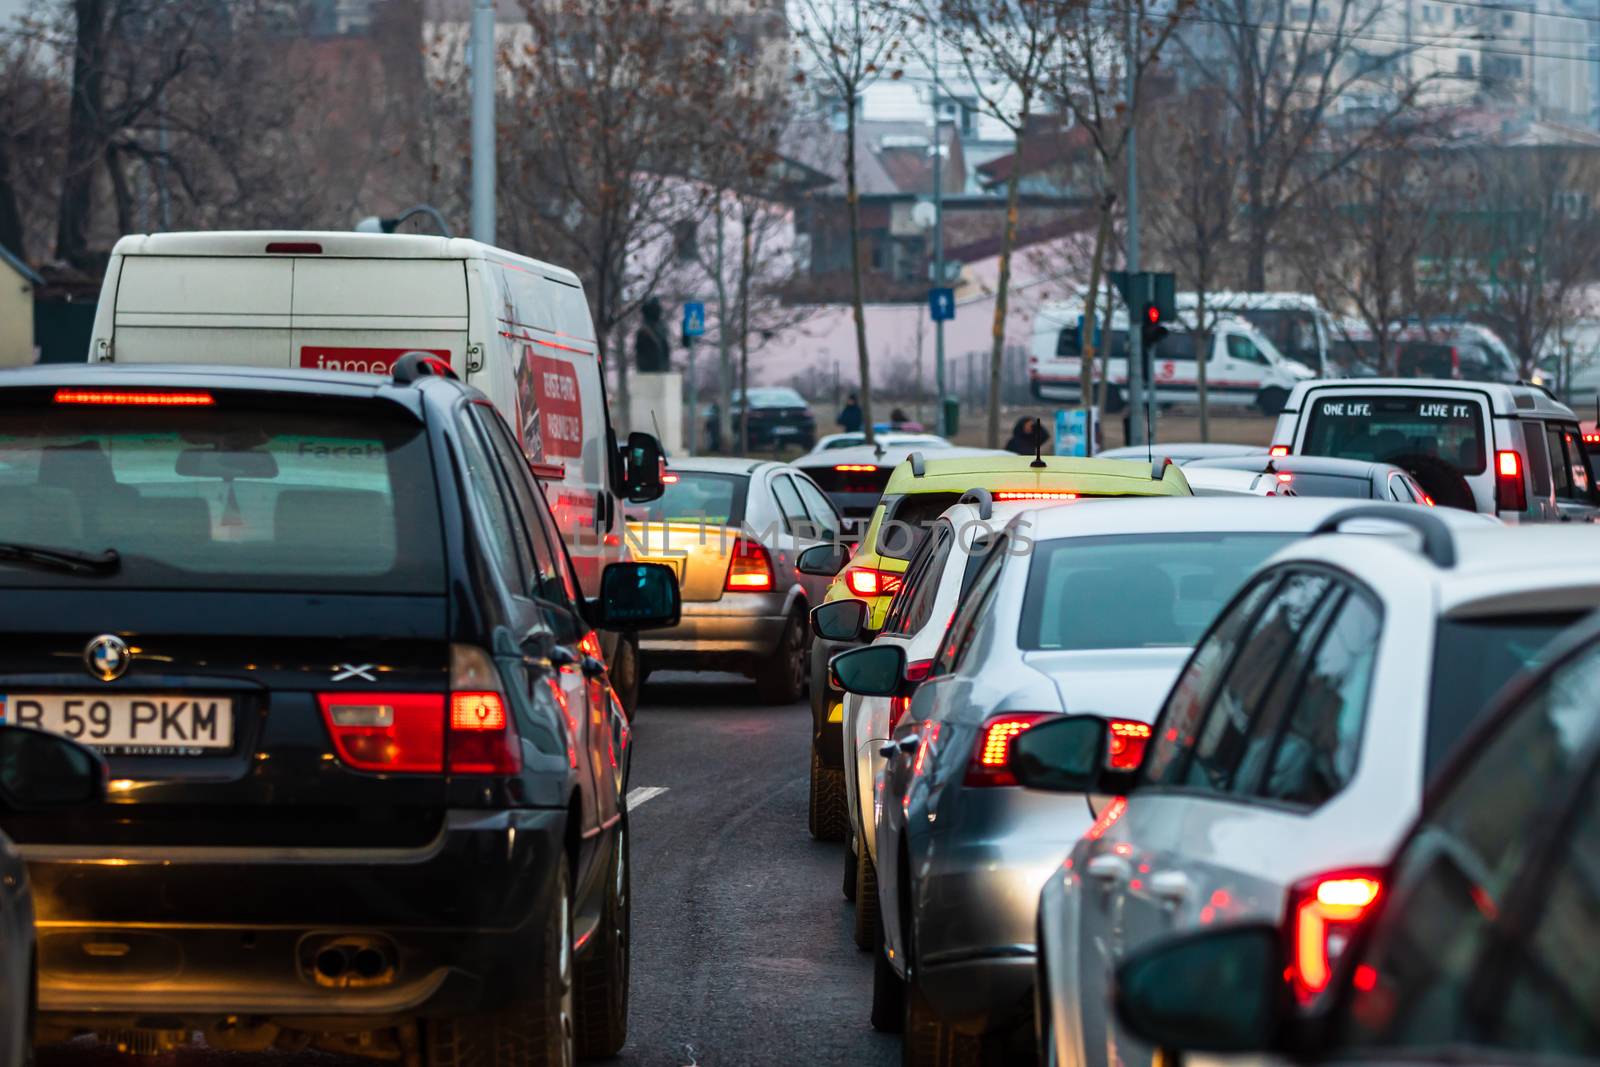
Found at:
<point>1152,329</point>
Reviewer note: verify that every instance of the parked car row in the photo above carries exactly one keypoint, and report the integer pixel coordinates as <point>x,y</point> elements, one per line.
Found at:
<point>1087,719</point>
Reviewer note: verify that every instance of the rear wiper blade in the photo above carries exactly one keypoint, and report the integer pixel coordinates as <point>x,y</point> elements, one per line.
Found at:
<point>62,559</point>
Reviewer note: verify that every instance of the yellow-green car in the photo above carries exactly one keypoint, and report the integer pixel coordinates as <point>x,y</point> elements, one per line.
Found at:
<point>918,491</point>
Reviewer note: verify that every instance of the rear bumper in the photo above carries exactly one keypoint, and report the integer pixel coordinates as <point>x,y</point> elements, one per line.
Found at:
<point>197,933</point>
<point>747,624</point>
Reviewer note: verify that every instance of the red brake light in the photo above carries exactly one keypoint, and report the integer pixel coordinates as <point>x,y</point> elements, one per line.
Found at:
<point>750,568</point>
<point>295,248</point>
<point>1285,479</point>
<point>1455,362</point>
<point>857,467</point>
<point>916,671</point>
<point>482,738</point>
<point>669,479</point>
<point>988,765</point>
<point>1035,494</point>
<point>1591,438</point>
<point>133,399</point>
<point>397,732</point>
<point>1510,492</point>
<point>1428,500</point>
<point>1127,743</point>
<point>477,712</point>
<point>1326,910</point>
<point>1278,450</point>
<point>868,581</point>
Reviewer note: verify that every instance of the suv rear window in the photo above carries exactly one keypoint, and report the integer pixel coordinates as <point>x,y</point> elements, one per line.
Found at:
<point>1392,429</point>
<point>225,497</point>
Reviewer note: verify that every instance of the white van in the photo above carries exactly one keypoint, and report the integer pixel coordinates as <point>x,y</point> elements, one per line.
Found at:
<point>1244,369</point>
<point>514,327</point>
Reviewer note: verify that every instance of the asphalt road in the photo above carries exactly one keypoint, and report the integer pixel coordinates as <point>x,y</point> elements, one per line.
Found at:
<point>742,950</point>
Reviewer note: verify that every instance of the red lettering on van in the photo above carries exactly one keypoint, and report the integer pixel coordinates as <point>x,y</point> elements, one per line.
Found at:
<point>359,360</point>
<point>560,405</point>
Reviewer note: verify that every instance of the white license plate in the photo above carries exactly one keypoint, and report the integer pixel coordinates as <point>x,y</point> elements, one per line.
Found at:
<point>128,724</point>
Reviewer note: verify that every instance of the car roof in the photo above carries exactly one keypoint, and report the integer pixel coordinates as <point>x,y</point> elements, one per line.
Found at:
<point>1091,518</point>
<point>1293,464</point>
<point>1503,399</point>
<point>893,454</point>
<point>1182,451</point>
<point>1005,470</point>
<point>718,464</point>
<point>202,376</point>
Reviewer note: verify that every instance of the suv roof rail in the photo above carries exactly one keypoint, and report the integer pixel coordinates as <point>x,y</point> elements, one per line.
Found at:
<point>918,465</point>
<point>981,497</point>
<point>413,365</point>
<point>1438,544</point>
<point>1158,468</point>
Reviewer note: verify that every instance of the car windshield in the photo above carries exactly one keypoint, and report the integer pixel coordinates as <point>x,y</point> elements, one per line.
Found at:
<point>224,497</point>
<point>1472,659</point>
<point>697,496</point>
<point>776,398</point>
<point>1331,485</point>
<point>1153,590</point>
<point>1399,429</point>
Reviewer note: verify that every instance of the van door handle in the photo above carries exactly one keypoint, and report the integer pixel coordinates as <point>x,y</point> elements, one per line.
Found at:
<point>1171,886</point>
<point>1108,867</point>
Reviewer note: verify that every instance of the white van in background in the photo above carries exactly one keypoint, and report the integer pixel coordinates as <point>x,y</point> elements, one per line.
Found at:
<point>1244,368</point>
<point>1296,323</point>
<point>514,327</point>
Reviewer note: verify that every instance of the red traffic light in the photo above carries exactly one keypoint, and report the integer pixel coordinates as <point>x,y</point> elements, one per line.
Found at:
<point>1152,314</point>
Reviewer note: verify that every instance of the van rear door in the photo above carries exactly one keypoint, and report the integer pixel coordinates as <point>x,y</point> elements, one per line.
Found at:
<point>363,314</point>
<point>204,309</point>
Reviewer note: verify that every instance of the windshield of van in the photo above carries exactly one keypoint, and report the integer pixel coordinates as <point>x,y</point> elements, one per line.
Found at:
<point>1397,429</point>
<point>224,497</point>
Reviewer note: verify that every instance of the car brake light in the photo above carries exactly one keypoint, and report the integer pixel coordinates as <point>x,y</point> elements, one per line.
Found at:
<point>869,581</point>
<point>134,399</point>
<point>669,479</point>
<point>916,671</point>
<point>1285,479</point>
<point>988,765</point>
<point>1510,493</point>
<point>749,568</point>
<point>1325,912</point>
<point>482,738</point>
<point>1126,745</point>
<point>294,248</point>
<point>1428,500</point>
<point>856,467</point>
<point>1591,438</point>
<point>1455,362</point>
<point>1035,494</point>
<point>398,732</point>
<point>1278,450</point>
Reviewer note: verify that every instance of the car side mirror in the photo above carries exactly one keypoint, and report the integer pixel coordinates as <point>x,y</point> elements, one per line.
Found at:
<point>1061,755</point>
<point>641,469</point>
<point>40,770</point>
<point>822,561</point>
<point>636,596</point>
<point>1217,990</point>
<point>841,620</point>
<point>873,671</point>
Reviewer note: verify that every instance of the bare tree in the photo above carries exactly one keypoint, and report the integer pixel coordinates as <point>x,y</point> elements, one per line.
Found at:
<point>851,45</point>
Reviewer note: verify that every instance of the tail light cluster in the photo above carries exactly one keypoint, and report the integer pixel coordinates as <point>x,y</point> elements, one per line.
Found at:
<point>466,731</point>
<point>916,671</point>
<point>1325,912</point>
<point>1124,751</point>
<point>869,581</point>
<point>1126,746</point>
<point>1510,492</point>
<point>749,568</point>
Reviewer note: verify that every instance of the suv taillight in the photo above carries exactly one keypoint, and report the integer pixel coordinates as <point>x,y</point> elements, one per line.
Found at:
<point>749,568</point>
<point>1510,492</point>
<point>869,581</point>
<point>916,671</point>
<point>1125,747</point>
<point>1324,912</point>
<point>989,755</point>
<point>482,738</point>
<point>398,732</point>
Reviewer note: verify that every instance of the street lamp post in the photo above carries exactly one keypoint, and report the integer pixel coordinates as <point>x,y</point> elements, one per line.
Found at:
<point>483,178</point>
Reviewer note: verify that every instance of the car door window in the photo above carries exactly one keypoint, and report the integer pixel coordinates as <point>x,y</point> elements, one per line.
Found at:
<point>501,537</point>
<point>1226,727</point>
<point>1316,751</point>
<point>1452,883</point>
<point>1575,476</point>
<point>1179,721</point>
<point>549,578</point>
<point>893,620</point>
<point>1400,490</point>
<point>824,517</point>
<point>794,512</point>
<point>1245,350</point>
<point>919,608</point>
<point>971,614</point>
<point>1540,463</point>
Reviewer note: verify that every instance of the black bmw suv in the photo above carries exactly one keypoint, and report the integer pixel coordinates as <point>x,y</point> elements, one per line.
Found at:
<point>367,772</point>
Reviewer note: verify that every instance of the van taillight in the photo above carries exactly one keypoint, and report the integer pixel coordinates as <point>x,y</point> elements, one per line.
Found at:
<point>399,732</point>
<point>1510,492</point>
<point>483,738</point>
<point>916,671</point>
<point>1324,912</point>
<point>294,248</point>
<point>749,568</point>
<point>988,764</point>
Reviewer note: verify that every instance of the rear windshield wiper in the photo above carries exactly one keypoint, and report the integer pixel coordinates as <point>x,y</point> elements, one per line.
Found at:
<point>61,559</point>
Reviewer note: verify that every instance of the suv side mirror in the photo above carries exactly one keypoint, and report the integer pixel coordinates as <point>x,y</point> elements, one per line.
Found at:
<point>636,596</point>
<point>873,671</point>
<point>641,469</point>
<point>40,770</point>
<point>1218,990</point>
<point>840,620</point>
<point>822,561</point>
<point>1062,755</point>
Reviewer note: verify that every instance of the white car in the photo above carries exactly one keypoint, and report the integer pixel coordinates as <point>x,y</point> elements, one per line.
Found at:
<point>887,438</point>
<point>1293,750</point>
<point>1220,482</point>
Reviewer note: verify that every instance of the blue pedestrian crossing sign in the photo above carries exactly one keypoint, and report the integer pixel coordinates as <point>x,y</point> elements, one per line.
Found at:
<point>942,304</point>
<point>694,320</point>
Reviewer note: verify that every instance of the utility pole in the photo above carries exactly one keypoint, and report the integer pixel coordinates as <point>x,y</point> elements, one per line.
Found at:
<point>938,244</point>
<point>483,181</point>
<point>1138,431</point>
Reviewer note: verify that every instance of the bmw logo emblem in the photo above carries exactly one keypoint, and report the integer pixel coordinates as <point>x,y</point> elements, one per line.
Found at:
<point>107,657</point>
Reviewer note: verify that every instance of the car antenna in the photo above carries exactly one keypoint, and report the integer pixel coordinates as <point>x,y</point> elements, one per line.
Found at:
<point>878,451</point>
<point>1038,444</point>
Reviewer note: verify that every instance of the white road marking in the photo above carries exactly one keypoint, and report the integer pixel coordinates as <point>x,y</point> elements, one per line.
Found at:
<point>639,794</point>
